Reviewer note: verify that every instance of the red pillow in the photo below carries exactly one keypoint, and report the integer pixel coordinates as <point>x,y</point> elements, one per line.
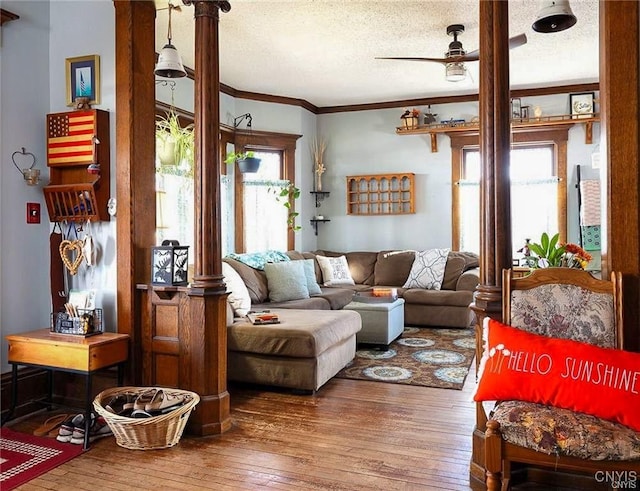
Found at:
<point>578,376</point>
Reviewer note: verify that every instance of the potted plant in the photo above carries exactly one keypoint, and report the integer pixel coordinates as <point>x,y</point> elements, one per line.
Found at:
<point>247,161</point>
<point>287,195</point>
<point>174,143</point>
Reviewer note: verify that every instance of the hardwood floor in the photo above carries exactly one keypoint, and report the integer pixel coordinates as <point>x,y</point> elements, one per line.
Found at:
<point>350,435</point>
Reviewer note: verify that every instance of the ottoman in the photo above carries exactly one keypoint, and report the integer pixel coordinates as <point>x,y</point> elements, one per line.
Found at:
<point>302,352</point>
<point>382,322</point>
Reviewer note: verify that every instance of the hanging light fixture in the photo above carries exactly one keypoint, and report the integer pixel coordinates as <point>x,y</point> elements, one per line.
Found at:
<point>554,16</point>
<point>455,72</point>
<point>169,61</point>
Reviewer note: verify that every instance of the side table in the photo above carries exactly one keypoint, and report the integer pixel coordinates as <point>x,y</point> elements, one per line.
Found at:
<point>68,353</point>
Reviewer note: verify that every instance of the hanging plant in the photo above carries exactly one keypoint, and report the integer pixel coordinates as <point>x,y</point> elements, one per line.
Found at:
<point>174,143</point>
<point>247,161</point>
<point>287,195</point>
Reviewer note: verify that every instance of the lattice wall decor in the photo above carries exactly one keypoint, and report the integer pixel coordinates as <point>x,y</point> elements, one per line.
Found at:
<point>380,194</point>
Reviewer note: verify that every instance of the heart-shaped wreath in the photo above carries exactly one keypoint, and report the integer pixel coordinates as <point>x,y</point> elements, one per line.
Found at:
<point>67,248</point>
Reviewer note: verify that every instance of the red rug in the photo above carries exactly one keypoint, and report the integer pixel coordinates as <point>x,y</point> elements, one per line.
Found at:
<point>24,457</point>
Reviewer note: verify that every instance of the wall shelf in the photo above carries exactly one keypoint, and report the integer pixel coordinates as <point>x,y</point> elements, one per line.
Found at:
<point>316,221</point>
<point>517,125</point>
<point>381,194</point>
<point>320,196</point>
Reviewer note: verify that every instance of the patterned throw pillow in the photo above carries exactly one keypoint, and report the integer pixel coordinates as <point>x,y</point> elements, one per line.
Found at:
<point>286,280</point>
<point>335,270</point>
<point>427,270</point>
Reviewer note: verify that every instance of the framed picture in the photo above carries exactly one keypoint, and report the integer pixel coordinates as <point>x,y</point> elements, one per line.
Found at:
<point>516,105</point>
<point>83,79</point>
<point>582,105</point>
<point>524,112</point>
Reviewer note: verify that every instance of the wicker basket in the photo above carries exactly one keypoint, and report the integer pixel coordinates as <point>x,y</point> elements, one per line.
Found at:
<point>146,433</point>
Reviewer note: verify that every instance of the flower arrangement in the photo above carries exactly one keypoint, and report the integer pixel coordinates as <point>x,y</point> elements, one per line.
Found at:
<point>317,151</point>
<point>551,253</point>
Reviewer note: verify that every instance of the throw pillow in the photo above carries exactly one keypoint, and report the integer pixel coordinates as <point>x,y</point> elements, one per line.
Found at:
<point>310,273</point>
<point>427,270</point>
<point>335,270</point>
<point>286,281</point>
<point>238,294</point>
<point>582,377</point>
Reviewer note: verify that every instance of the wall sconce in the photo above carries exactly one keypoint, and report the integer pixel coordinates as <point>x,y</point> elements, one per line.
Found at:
<point>30,174</point>
<point>238,120</point>
<point>169,61</point>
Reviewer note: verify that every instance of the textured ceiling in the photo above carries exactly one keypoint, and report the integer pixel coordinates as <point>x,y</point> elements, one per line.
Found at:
<point>324,51</point>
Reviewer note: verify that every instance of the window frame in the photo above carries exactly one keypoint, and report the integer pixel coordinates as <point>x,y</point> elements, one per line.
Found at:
<point>557,137</point>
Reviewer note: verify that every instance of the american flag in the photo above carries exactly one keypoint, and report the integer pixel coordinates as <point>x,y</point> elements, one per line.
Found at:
<point>70,137</point>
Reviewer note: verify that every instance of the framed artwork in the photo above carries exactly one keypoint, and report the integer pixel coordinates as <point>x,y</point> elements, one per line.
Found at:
<point>582,105</point>
<point>516,105</point>
<point>524,112</point>
<point>83,79</point>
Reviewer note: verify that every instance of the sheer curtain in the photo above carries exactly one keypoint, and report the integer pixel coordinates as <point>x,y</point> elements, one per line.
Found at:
<point>265,218</point>
<point>534,197</point>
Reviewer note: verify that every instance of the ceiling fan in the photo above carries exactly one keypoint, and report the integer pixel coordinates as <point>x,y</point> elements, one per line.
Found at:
<point>455,56</point>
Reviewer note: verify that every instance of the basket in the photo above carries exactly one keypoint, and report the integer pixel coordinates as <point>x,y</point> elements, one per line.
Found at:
<point>87,323</point>
<point>162,431</point>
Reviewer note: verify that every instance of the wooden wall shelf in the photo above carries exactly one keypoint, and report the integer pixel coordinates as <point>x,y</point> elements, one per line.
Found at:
<point>380,194</point>
<point>75,140</point>
<point>517,125</point>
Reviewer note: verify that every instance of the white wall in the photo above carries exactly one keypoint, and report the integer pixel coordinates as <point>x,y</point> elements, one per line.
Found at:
<point>24,249</point>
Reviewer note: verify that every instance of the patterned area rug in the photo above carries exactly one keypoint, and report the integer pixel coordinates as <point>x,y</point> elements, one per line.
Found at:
<point>24,457</point>
<point>420,356</point>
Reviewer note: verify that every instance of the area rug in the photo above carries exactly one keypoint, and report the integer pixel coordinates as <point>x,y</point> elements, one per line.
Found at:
<point>24,457</point>
<point>420,356</point>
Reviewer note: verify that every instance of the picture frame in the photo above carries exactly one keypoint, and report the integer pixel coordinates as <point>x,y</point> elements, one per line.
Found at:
<point>582,105</point>
<point>516,108</point>
<point>524,112</point>
<point>83,79</point>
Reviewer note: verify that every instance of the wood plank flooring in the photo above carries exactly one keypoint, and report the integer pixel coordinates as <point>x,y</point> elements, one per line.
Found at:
<point>350,435</point>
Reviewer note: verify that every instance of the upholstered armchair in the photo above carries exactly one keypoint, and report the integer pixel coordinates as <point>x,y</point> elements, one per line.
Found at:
<point>567,304</point>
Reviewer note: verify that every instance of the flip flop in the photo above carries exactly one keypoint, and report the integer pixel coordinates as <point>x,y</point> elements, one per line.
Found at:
<point>50,425</point>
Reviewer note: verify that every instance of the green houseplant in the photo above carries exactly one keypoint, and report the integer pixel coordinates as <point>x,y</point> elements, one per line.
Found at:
<point>174,142</point>
<point>287,195</point>
<point>247,161</point>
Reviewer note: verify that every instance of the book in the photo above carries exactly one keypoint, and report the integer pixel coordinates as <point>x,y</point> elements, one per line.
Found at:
<point>263,317</point>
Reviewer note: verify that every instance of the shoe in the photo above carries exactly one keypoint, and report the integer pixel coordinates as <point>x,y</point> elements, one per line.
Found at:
<point>50,425</point>
<point>122,404</point>
<point>68,427</point>
<point>98,429</point>
<point>143,399</point>
<point>164,402</point>
<point>140,413</point>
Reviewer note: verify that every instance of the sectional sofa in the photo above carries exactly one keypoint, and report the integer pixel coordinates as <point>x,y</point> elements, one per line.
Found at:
<point>446,307</point>
<point>317,337</point>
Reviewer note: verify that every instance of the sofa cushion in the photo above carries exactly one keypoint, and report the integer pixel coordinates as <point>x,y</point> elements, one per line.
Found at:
<point>310,274</point>
<point>448,298</point>
<point>337,297</point>
<point>312,303</point>
<point>286,281</point>
<point>427,270</point>
<point>392,267</point>
<point>238,298</point>
<point>454,268</point>
<point>300,333</point>
<point>361,264</point>
<point>335,270</point>
<point>254,280</point>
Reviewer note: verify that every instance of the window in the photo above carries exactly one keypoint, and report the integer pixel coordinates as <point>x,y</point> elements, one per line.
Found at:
<point>264,218</point>
<point>538,189</point>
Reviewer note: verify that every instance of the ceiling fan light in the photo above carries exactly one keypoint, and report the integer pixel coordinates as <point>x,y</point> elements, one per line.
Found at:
<point>169,63</point>
<point>455,72</point>
<point>554,16</point>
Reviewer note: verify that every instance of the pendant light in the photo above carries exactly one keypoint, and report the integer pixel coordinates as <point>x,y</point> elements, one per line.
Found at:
<point>169,61</point>
<point>554,16</point>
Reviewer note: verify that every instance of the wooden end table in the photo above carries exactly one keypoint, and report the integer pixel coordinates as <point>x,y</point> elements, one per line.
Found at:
<point>67,353</point>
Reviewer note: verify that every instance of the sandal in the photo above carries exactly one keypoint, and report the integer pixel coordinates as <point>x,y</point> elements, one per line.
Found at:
<point>50,425</point>
<point>163,401</point>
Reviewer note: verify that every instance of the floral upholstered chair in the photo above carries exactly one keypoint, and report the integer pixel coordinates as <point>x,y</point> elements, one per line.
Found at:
<point>569,304</point>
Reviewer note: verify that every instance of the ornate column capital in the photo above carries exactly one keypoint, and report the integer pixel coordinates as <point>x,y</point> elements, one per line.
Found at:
<point>208,7</point>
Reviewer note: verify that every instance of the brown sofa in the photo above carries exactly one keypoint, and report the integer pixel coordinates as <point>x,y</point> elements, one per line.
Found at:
<point>447,307</point>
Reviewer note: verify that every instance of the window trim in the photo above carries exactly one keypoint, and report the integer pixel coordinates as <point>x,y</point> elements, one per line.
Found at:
<point>556,136</point>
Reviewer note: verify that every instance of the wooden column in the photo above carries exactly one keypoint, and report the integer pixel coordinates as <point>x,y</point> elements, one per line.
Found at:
<point>620,149</point>
<point>204,351</point>
<point>495,216</point>
<point>134,164</point>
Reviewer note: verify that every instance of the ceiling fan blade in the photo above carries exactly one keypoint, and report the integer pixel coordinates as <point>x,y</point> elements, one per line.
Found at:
<point>437,60</point>
<point>474,55</point>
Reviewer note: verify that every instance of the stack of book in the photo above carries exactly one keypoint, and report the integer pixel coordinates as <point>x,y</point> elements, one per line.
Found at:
<point>391,293</point>
<point>263,317</point>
